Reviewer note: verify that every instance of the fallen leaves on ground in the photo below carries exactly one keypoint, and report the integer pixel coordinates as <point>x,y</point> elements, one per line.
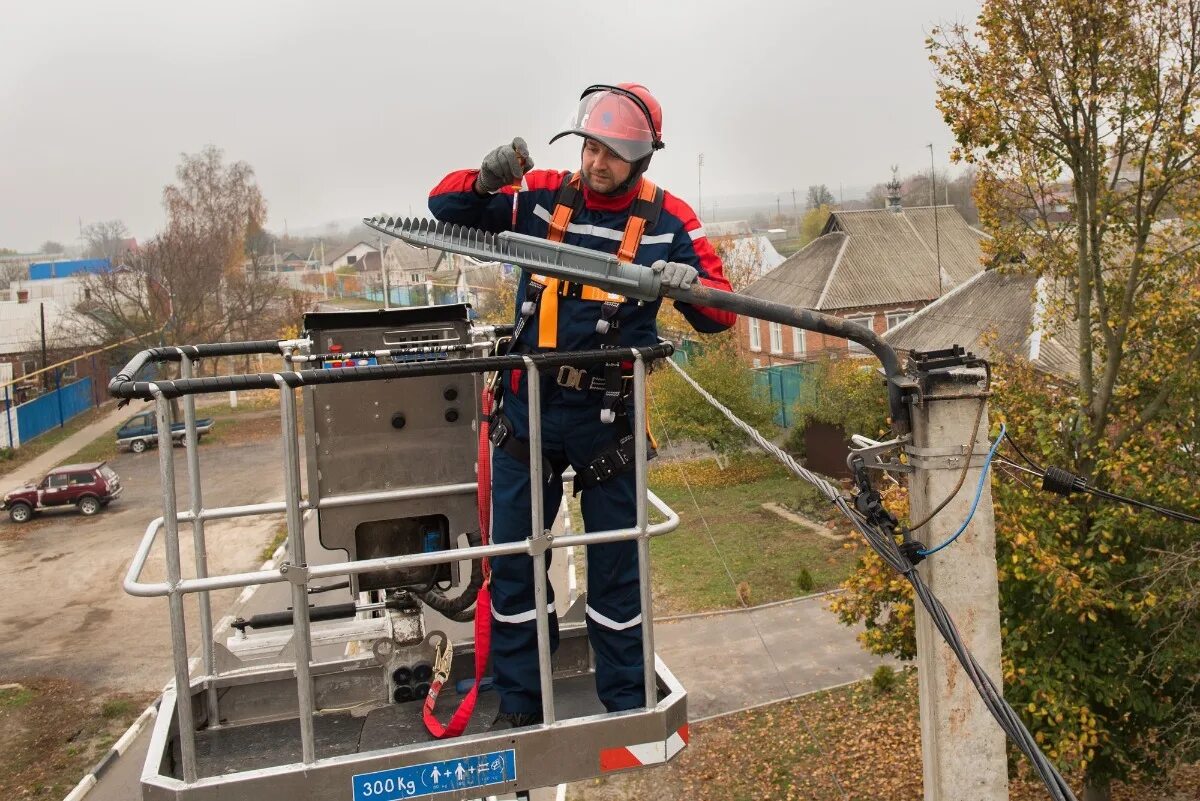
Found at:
<point>847,744</point>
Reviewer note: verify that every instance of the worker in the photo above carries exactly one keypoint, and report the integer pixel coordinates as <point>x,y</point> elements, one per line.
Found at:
<point>610,206</point>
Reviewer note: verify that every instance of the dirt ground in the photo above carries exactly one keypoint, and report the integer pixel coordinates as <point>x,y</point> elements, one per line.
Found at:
<point>64,613</point>
<point>52,731</point>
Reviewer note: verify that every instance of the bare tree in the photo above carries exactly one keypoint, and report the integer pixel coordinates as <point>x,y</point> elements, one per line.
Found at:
<point>819,195</point>
<point>105,240</point>
<point>190,283</point>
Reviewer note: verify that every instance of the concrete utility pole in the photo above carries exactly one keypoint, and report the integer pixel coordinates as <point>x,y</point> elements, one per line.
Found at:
<point>962,747</point>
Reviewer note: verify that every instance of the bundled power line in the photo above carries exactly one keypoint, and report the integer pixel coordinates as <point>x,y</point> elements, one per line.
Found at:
<point>884,543</point>
<point>1063,482</point>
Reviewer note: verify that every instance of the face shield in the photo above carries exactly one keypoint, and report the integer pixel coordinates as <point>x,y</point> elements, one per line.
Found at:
<point>616,118</point>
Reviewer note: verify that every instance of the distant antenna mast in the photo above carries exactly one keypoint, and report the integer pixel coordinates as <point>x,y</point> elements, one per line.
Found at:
<point>937,239</point>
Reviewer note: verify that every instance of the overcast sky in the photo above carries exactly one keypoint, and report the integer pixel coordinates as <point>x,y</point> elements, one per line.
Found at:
<point>348,108</point>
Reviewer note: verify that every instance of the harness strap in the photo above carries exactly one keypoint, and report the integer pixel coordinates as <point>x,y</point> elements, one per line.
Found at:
<point>643,215</point>
<point>609,329</point>
<point>502,437</point>
<point>616,459</point>
<point>568,201</point>
<point>638,213</point>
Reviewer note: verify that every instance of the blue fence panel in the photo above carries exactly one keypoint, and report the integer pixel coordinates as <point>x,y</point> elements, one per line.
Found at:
<point>48,411</point>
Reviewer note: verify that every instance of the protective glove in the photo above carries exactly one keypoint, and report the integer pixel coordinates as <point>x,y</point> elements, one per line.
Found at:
<point>503,166</point>
<point>674,274</point>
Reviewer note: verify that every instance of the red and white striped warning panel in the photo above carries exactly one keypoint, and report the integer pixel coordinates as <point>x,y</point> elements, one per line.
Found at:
<point>634,756</point>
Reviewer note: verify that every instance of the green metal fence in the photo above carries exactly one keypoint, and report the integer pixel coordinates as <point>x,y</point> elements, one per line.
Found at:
<point>785,384</point>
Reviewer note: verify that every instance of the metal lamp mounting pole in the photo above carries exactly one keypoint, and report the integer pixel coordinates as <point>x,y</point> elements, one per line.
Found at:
<point>583,265</point>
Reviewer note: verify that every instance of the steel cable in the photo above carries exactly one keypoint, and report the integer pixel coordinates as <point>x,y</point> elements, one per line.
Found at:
<point>733,585</point>
<point>884,544</point>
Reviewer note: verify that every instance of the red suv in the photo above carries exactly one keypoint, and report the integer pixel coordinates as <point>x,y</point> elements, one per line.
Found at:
<point>89,487</point>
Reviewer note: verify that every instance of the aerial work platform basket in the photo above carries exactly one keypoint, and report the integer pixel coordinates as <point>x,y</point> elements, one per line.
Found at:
<point>326,703</point>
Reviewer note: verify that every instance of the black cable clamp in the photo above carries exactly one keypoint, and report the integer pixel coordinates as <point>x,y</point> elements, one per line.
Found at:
<point>869,503</point>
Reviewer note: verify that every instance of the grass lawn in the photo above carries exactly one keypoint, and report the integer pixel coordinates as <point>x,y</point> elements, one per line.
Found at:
<point>11,460</point>
<point>721,510</point>
<point>865,741</point>
<point>53,731</point>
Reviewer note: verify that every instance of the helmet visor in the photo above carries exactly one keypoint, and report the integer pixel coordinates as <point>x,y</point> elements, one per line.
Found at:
<point>615,120</point>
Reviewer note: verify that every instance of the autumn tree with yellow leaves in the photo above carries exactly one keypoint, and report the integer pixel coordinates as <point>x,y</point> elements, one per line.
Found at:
<point>1080,117</point>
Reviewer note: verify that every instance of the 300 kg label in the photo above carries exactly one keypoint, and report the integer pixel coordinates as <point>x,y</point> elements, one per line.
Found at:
<point>478,770</point>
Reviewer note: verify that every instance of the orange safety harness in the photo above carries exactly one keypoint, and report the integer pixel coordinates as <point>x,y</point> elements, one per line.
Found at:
<point>643,214</point>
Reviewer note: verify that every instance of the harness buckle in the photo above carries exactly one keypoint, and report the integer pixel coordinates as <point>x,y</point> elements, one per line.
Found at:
<point>571,377</point>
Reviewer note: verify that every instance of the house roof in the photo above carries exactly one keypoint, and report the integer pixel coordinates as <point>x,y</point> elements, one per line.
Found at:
<point>992,312</point>
<point>349,248</point>
<point>20,324</point>
<point>714,230</point>
<point>877,257</point>
<point>404,257</point>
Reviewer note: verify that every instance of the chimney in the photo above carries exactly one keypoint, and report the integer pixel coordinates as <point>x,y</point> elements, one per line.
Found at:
<point>22,296</point>
<point>893,195</point>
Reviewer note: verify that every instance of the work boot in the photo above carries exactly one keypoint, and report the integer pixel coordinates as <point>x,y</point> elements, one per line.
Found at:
<point>515,720</point>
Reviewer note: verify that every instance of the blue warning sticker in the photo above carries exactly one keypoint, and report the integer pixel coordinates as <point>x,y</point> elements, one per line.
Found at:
<point>444,776</point>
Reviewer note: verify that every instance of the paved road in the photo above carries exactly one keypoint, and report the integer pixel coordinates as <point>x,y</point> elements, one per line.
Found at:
<point>62,572</point>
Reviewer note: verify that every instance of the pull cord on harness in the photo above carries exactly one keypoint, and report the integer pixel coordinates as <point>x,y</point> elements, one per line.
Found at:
<point>483,602</point>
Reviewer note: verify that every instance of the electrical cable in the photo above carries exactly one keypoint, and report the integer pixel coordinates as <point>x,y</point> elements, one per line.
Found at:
<point>1021,453</point>
<point>733,584</point>
<point>962,476</point>
<point>884,544</point>
<point>983,475</point>
<point>1063,482</point>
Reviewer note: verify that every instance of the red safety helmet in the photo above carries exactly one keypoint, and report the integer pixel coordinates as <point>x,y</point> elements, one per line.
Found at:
<point>626,118</point>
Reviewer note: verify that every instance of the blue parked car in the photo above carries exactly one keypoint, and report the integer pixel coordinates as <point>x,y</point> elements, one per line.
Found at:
<point>141,431</point>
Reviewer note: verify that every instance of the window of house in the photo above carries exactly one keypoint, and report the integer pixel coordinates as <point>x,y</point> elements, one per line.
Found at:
<point>776,331</point>
<point>416,278</point>
<point>351,259</point>
<point>895,318</point>
<point>28,366</point>
<point>867,321</point>
<point>798,341</point>
<point>69,371</point>
<point>755,339</point>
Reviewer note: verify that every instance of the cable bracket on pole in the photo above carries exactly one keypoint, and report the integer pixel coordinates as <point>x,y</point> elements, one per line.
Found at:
<point>873,452</point>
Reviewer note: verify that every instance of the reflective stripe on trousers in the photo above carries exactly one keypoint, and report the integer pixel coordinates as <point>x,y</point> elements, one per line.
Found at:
<point>570,434</point>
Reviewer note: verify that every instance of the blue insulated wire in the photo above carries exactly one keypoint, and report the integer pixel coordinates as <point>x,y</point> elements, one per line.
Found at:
<point>978,494</point>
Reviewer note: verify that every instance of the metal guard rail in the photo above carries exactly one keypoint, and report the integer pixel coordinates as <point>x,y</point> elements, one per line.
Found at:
<point>134,587</point>
<point>123,384</point>
<point>297,572</point>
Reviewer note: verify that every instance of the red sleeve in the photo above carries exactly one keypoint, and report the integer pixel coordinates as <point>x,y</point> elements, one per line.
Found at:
<point>692,247</point>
